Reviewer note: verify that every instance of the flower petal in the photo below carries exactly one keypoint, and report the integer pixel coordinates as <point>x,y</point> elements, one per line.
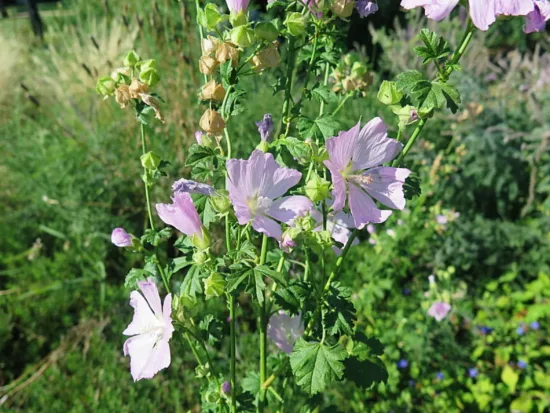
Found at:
<point>363,208</point>
<point>514,7</point>
<point>151,294</point>
<point>387,186</point>
<point>192,187</point>
<point>166,314</point>
<point>139,348</point>
<point>287,208</point>
<point>374,147</point>
<point>159,359</point>
<point>339,185</point>
<point>341,148</point>
<point>143,316</point>
<point>482,13</point>
<point>181,214</point>
<point>268,227</point>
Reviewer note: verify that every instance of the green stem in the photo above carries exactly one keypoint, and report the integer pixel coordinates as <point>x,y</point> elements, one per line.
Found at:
<point>306,272</point>
<point>146,176</point>
<point>325,82</point>
<point>263,334</point>
<point>410,142</point>
<point>201,33</point>
<point>288,84</point>
<point>342,103</point>
<point>232,316</point>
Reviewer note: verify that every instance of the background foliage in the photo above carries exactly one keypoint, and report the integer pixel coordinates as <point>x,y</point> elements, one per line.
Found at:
<point>70,173</point>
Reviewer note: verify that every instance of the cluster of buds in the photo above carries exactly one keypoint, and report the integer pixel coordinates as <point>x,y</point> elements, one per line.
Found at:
<point>131,83</point>
<point>351,75</point>
<point>216,52</point>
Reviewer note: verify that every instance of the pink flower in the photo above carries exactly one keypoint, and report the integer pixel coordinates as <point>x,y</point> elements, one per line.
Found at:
<point>181,214</point>
<point>435,9</point>
<point>256,188</point>
<point>121,238</point>
<point>151,329</point>
<point>536,20</point>
<point>354,162</point>
<point>237,6</point>
<point>439,310</point>
<point>285,330</point>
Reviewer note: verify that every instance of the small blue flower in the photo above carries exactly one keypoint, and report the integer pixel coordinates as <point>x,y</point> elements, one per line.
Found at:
<point>486,330</point>
<point>521,329</point>
<point>535,325</point>
<point>411,383</point>
<point>472,372</point>
<point>440,375</point>
<point>522,364</point>
<point>406,291</point>
<point>402,364</point>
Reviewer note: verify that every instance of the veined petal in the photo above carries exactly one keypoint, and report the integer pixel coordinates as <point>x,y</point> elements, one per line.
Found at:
<point>143,316</point>
<point>151,293</point>
<point>159,359</point>
<point>536,20</point>
<point>339,185</point>
<point>181,214</point>
<point>387,185</point>
<point>166,314</point>
<point>514,7</point>
<point>139,348</point>
<point>374,147</point>
<point>342,147</point>
<point>287,208</point>
<point>283,180</point>
<point>482,13</point>
<point>363,208</point>
<point>192,187</point>
<point>434,9</point>
<point>268,227</point>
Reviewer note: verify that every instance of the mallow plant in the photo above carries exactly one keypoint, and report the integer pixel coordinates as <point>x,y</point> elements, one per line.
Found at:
<point>274,225</point>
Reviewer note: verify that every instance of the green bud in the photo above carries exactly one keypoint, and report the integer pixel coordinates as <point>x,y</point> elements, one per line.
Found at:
<point>242,36</point>
<point>295,24</point>
<point>214,285</point>
<point>150,77</point>
<point>389,94</point>
<point>238,19</point>
<point>306,223</point>
<point>351,58</point>
<point>358,70</point>
<point>147,64</point>
<point>220,201</point>
<point>201,241</point>
<point>105,86</point>
<point>131,59</point>
<point>263,146</point>
<point>317,188</point>
<point>200,257</point>
<point>207,141</point>
<point>211,16</point>
<point>266,31</point>
<point>212,397</point>
<point>150,161</point>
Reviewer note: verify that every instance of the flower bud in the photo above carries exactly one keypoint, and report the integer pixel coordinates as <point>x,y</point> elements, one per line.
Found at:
<point>200,257</point>
<point>288,242</point>
<point>207,141</point>
<point>198,136</point>
<point>267,58</point>
<point>122,95</point>
<point>342,8</point>
<point>238,19</point>
<point>202,240</point>
<point>351,58</point>
<point>149,76</point>
<point>121,238</point>
<point>242,36</point>
<point>147,64</point>
<point>213,91</point>
<point>105,86</point>
<point>214,285</point>
<point>226,51</point>
<point>131,59</point>
<point>266,31</point>
<point>178,310</point>
<point>150,161</point>
<point>225,388</point>
<point>220,201</point>
<point>121,75</point>
<point>295,24</point>
<point>137,88</point>
<point>317,188</point>
<point>212,122</point>
<point>358,70</point>
<point>389,94</point>
<point>208,65</point>
<point>209,17</point>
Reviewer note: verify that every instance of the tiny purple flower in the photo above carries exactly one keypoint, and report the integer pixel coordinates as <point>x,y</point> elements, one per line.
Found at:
<point>441,219</point>
<point>265,127</point>
<point>372,241</point>
<point>285,330</point>
<point>411,383</point>
<point>226,387</point>
<point>366,7</point>
<point>521,329</point>
<point>198,136</point>
<point>121,238</point>
<point>486,330</point>
<point>402,364</point>
<point>439,310</point>
<point>535,325</point>
<point>355,162</point>
<point>406,291</point>
<point>522,364</point>
<point>440,376</point>
<point>192,187</point>
<point>256,188</point>
<point>472,372</point>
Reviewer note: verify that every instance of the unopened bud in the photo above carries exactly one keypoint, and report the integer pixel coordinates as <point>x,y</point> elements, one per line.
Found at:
<point>342,8</point>
<point>266,31</point>
<point>358,70</point>
<point>208,65</point>
<point>267,58</point>
<point>220,201</point>
<point>242,36</point>
<point>150,161</point>
<point>317,188</point>
<point>212,122</point>
<point>238,19</point>
<point>213,91</point>
<point>389,94</point>
<point>131,59</point>
<point>200,257</point>
<point>214,285</point>
<point>295,24</point>
<point>351,58</point>
<point>202,240</point>
<point>136,88</point>
<point>122,95</point>
<point>121,75</point>
<point>149,76</point>
<point>105,86</point>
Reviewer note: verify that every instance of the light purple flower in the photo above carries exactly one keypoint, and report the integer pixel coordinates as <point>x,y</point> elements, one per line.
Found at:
<point>198,136</point>
<point>265,127</point>
<point>181,214</point>
<point>226,387</point>
<point>536,20</point>
<point>435,9</point>
<point>354,162</point>
<point>439,310</point>
<point>287,243</point>
<point>441,219</point>
<point>366,7</point>
<point>285,330</point>
<point>237,6</point>
<point>151,329</point>
<point>192,187</point>
<point>121,238</point>
<point>256,188</point>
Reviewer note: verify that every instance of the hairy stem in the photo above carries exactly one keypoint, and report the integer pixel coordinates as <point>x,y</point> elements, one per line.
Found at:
<point>146,176</point>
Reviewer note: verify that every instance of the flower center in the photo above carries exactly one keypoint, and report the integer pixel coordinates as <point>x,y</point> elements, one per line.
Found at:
<point>259,205</point>
<point>361,179</point>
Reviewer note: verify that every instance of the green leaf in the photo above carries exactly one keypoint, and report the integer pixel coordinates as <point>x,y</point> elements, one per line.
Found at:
<point>436,47</point>
<point>363,347</point>
<point>412,187</point>
<point>259,286</point>
<point>191,285</point>
<point>510,378</point>
<point>198,153</point>
<point>452,95</point>
<point>323,94</point>
<point>328,126</point>
<point>211,329</point>
<point>297,148</point>
<point>406,81</point>
<point>364,373</point>
<point>214,285</point>
<point>134,276</point>
<point>291,298</point>
<point>339,313</point>
<point>433,95</point>
<point>274,275</point>
<point>316,365</point>
<point>236,279</point>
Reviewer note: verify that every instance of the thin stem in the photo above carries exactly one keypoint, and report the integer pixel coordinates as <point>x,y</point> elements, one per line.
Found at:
<point>201,33</point>
<point>288,84</point>
<point>193,349</point>
<point>263,334</point>
<point>410,142</point>
<point>325,82</point>
<point>312,57</point>
<point>146,176</point>
<point>308,264</point>
<point>232,316</point>
<point>342,103</point>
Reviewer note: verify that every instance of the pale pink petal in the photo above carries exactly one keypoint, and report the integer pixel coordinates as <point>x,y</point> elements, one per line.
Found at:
<point>374,148</point>
<point>482,13</point>
<point>283,180</point>
<point>166,314</point>
<point>181,214</point>
<point>387,185</point>
<point>151,294</point>
<point>363,208</point>
<point>140,349</point>
<point>536,20</point>
<point>514,7</point>
<point>143,316</point>
<point>284,330</point>
<point>439,310</point>
<point>339,185</point>
<point>158,359</point>
<point>268,227</point>
<point>434,9</point>
<point>342,147</point>
<point>287,208</point>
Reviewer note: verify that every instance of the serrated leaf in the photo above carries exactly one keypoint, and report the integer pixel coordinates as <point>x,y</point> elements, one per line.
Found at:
<point>316,365</point>
<point>297,148</point>
<point>191,285</point>
<point>328,126</point>
<point>364,347</point>
<point>406,81</point>
<point>435,46</point>
<point>274,275</point>
<point>259,286</point>
<point>339,314</point>
<point>135,275</point>
<point>198,153</point>
<point>237,279</point>
<point>452,95</point>
<point>323,94</point>
<point>292,297</point>
<point>211,329</point>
